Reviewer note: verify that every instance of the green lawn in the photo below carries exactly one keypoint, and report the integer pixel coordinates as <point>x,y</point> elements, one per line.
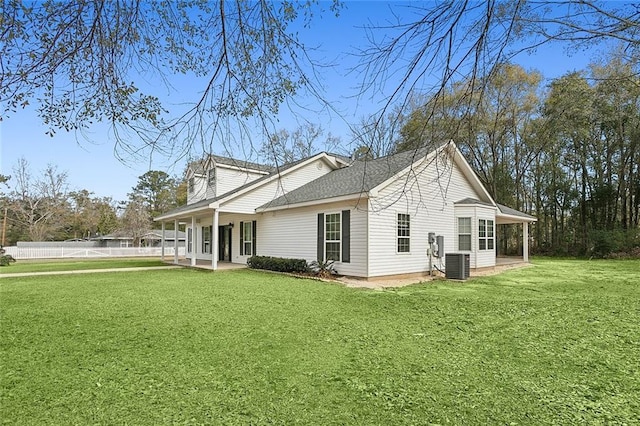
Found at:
<point>556,343</point>
<point>78,264</point>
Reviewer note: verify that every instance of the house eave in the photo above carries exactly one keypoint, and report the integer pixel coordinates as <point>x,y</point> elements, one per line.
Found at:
<point>502,218</point>
<point>275,176</point>
<point>183,213</point>
<point>362,195</point>
<point>241,169</point>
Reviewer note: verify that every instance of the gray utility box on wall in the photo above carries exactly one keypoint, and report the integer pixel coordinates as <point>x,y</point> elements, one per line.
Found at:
<point>457,266</point>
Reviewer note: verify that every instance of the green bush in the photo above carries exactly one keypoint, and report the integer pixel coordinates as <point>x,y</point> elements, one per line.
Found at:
<point>608,243</point>
<point>6,260</point>
<point>323,269</point>
<point>278,264</point>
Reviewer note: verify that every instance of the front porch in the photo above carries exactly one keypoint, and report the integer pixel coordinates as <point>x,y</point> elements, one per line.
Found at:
<point>205,264</point>
<point>214,239</point>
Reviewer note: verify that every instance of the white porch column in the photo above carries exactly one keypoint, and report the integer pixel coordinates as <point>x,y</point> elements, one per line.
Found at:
<point>162,244</point>
<point>525,241</point>
<point>194,239</point>
<point>214,240</point>
<point>175,242</point>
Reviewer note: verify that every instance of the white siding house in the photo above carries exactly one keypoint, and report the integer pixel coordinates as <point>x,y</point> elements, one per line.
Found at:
<point>373,218</point>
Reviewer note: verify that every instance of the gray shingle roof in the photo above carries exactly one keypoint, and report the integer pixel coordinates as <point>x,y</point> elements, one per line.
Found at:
<point>359,177</point>
<point>512,212</point>
<point>198,166</point>
<point>473,201</point>
<point>207,201</point>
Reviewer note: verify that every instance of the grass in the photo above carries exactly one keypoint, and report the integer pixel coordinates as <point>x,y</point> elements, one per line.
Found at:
<point>79,264</point>
<point>558,343</point>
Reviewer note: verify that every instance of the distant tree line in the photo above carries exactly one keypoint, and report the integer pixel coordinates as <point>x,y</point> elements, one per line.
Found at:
<point>567,153</point>
<point>40,207</point>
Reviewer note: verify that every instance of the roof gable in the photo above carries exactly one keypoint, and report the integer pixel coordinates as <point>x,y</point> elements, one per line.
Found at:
<point>276,173</point>
<point>360,177</point>
<point>370,176</point>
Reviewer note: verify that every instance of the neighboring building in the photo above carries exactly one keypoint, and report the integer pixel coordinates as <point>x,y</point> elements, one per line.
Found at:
<point>371,217</point>
<point>150,239</point>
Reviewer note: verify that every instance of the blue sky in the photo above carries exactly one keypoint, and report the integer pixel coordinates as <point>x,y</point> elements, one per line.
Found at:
<point>89,159</point>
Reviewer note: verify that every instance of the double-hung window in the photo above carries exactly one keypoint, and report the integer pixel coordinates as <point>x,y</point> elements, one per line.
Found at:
<point>332,236</point>
<point>206,239</point>
<point>485,234</point>
<point>247,238</point>
<point>192,185</point>
<point>189,239</point>
<point>464,233</point>
<point>404,233</point>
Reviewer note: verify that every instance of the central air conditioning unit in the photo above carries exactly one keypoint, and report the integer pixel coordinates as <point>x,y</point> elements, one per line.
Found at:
<point>457,266</point>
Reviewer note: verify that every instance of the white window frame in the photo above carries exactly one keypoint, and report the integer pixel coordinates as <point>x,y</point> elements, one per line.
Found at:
<point>333,241</point>
<point>206,239</point>
<point>486,234</point>
<point>247,225</point>
<point>406,218</point>
<point>191,185</point>
<point>189,240</point>
<point>470,233</point>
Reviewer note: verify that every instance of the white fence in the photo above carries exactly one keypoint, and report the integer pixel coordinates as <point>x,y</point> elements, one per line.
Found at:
<point>65,252</point>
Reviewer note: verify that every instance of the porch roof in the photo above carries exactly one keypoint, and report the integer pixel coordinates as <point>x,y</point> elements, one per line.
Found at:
<point>508,215</point>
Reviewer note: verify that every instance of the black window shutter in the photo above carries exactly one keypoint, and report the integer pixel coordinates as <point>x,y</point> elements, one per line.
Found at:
<point>254,234</point>
<point>320,237</point>
<point>346,236</point>
<point>241,239</point>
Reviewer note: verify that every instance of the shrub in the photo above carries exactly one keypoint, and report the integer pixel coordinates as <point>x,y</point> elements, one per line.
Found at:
<point>278,264</point>
<point>6,260</point>
<point>617,243</point>
<point>323,269</point>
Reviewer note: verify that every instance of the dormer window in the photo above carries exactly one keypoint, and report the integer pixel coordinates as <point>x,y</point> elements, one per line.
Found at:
<point>192,185</point>
<point>212,176</point>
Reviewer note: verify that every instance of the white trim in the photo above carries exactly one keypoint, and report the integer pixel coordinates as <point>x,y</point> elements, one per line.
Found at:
<point>486,237</point>
<point>362,195</point>
<point>373,192</point>
<point>468,172</point>
<point>258,183</point>
<point>324,237</point>
<point>244,240</point>
<point>187,212</point>
<point>457,235</point>
<point>194,241</point>
<point>214,240</point>
<point>162,243</point>
<point>401,253</point>
<point>241,169</point>
<point>525,241</point>
<point>175,241</point>
<point>515,219</point>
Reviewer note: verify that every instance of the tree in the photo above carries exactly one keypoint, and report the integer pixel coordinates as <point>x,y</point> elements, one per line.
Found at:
<point>38,204</point>
<point>78,60</point>
<point>492,133</point>
<point>75,58</point>
<point>88,216</point>
<point>284,147</point>
<point>156,191</point>
<point>375,136</point>
<point>451,42</point>
<point>135,221</point>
